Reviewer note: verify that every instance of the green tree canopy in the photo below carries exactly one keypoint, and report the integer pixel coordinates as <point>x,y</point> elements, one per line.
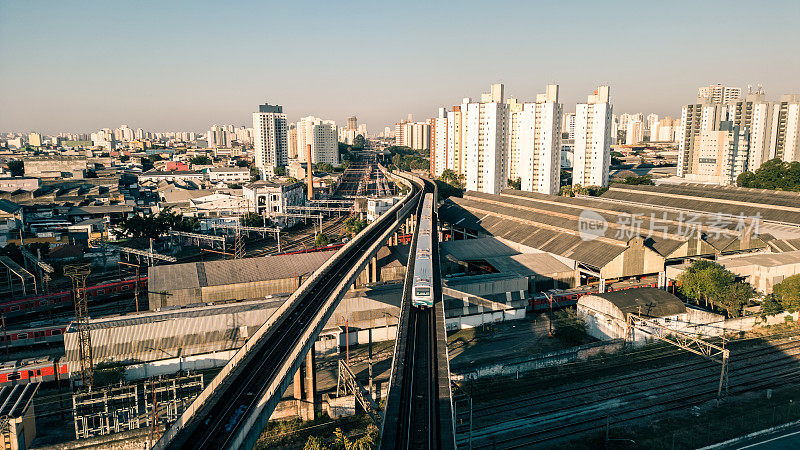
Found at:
<point>787,293</point>
<point>713,285</point>
<point>321,240</point>
<point>279,171</point>
<point>200,160</point>
<point>646,180</point>
<point>515,184</point>
<point>358,142</point>
<point>774,174</point>
<point>354,225</point>
<point>16,167</point>
<point>155,225</point>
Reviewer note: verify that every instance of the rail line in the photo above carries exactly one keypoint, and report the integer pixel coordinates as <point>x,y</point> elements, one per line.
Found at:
<point>692,389</point>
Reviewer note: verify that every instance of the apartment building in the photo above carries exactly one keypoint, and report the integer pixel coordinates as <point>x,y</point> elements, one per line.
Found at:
<point>486,142</point>
<point>721,155</point>
<point>635,133</point>
<point>270,139</point>
<point>322,136</point>
<point>592,156</point>
<point>539,144</point>
<point>719,94</point>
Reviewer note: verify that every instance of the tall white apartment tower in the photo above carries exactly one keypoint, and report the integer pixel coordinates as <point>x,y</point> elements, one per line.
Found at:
<point>270,140</point>
<point>440,157</point>
<point>695,120</point>
<point>322,136</point>
<point>593,140</point>
<point>539,145</point>
<point>785,139</point>
<point>485,146</point>
<point>719,93</point>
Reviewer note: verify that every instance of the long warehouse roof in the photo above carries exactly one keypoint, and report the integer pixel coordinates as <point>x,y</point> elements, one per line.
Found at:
<point>235,271</point>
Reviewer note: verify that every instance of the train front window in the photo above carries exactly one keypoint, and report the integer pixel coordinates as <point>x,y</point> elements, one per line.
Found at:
<point>423,292</point>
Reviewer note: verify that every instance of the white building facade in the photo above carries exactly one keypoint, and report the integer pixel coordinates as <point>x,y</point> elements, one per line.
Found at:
<point>592,156</point>
<point>270,139</point>
<point>485,146</point>
<point>322,136</point>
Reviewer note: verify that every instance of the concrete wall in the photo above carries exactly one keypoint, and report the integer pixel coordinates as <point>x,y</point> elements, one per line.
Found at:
<point>460,322</point>
<point>550,359</point>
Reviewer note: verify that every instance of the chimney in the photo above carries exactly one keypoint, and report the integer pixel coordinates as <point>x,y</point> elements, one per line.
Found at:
<point>309,174</point>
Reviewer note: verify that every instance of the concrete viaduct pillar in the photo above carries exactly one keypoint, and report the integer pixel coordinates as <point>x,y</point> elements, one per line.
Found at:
<point>305,387</point>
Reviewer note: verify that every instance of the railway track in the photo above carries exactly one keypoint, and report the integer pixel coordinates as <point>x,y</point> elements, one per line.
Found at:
<point>224,411</point>
<point>565,415</point>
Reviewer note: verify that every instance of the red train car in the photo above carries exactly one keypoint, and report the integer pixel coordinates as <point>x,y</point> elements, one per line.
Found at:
<point>13,339</point>
<point>569,297</point>
<point>32,370</point>
<point>27,305</point>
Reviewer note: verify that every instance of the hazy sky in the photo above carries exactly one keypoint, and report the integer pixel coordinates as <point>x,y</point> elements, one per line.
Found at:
<point>185,65</point>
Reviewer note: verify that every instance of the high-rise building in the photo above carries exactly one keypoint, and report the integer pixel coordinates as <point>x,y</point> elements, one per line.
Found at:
<point>322,136</point>
<point>485,147</point>
<point>539,143</point>
<point>593,140</point>
<point>270,139</point>
<point>35,140</point>
<point>721,155</point>
<point>719,93</point>
<point>651,120</point>
<point>456,138</point>
<point>568,125</point>
<point>663,130</point>
<point>217,137</point>
<point>515,130</point>
<point>421,136</point>
<point>635,133</point>
<point>352,123</point>
<point>291,141</point>
<point>441,159</point>
<point>695,120</point>
<point>785,139</point>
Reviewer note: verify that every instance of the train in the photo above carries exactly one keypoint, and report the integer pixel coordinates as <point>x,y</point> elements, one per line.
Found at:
<point>422,287</point>
<point>32,370</point>
<point>43,334</point>
<point>53,300</point>
<point>569,297</point>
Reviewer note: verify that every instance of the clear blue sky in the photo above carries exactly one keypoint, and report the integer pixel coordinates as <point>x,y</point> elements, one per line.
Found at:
<point>184,65</point>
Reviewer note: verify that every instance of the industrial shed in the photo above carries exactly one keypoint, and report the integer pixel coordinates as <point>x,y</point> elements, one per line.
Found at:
<point>238,279</point>
<point>637,239</point>
<point>606,313</point>
<point>764,270</point>
<point>543,270</point>
<point>177,333</point>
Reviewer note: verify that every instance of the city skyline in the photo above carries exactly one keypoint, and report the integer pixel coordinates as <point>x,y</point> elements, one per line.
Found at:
<point>163,67</point>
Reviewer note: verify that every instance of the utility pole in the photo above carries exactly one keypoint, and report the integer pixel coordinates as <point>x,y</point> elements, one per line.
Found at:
<point>78,274</point>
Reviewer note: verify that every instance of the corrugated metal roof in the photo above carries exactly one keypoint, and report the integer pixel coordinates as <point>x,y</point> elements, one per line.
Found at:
<point>529,264</point>
<point>481,248</point>
<point>219,273</point>
<point>650,301</point>
<point>182,313</point>
<point>762,259</point>
<point>14,400</point>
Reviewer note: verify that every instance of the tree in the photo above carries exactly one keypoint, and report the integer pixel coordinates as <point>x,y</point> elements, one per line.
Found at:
<point>774,174</point>
<point>321,240</point>
<point>450,177</point>
<point>711,283</point>
<point>242,163</point>
<point>251,220</point>
<point>569,327</point>
<point>200,160</point>
<point>17,168</point>
<point>358,142</point>
<point>515,184</point>
<point>279,171</point>
<point>354,225</point>
<point>124,158</point>
<point>323,167</point>
<point>255,174</point>
<point>771,306</point>
<point>155,225</point>
<point>787,293</point>
<point>645,180</point>
<point>735,297</point>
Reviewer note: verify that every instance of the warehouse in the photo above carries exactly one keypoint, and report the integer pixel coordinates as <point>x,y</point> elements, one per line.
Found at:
<point>602,239</point>
<point>606,314</point>
<point>238,279</point>
<point>764,270</point>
